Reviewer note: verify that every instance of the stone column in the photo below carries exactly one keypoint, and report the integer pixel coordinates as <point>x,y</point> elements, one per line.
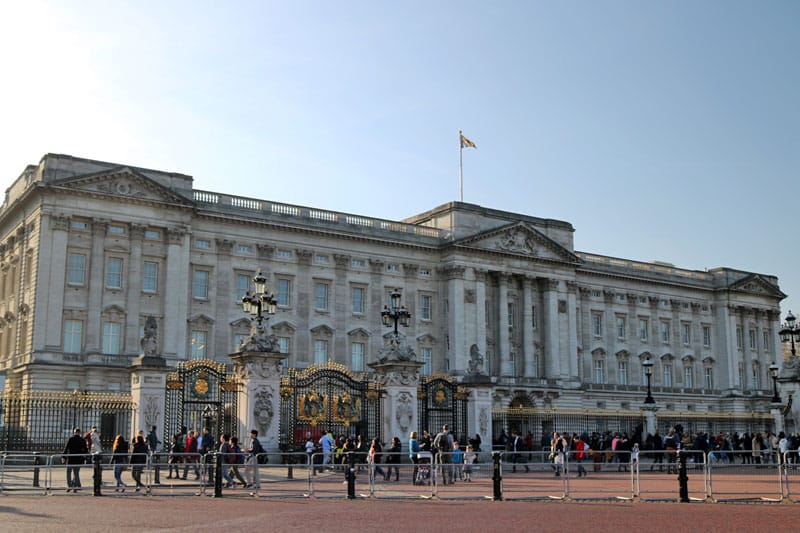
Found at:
<point>504,351</point>
<point>97,283</point>
<point>552,362</point>
<point>572,329</point>
<point>134,291</point>
<point>341,302</point>
<point>148,384</point>
<point>399,380</point>
<point>52,274</point>
<point>479,409</point>
<point>455,318</point>
<point>176,289</point>
<point>527,327</point>
<point>259,375</point>
<point>480,309</point>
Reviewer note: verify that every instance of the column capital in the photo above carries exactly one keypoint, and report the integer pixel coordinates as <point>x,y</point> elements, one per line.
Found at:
<point>376,265</point>
<point>410,269</point>
<point>137,231</point>
<point>59,222</point>
<point>303,256</point>
<point>264,251</point>
<point>342,261</point>
<point>175,235</point>
<point>480,274</point>
<point>224,245</point>
<point>99,226</point>
<point>548,284</point>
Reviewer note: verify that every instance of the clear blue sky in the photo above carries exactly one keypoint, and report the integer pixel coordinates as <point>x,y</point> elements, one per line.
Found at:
<point>660,130</point>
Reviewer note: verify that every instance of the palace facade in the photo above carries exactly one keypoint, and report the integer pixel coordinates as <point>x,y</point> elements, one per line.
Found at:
<point>90,249</point>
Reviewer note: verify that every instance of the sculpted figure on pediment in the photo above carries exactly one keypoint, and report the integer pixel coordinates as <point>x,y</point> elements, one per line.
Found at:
<point>516,240</point>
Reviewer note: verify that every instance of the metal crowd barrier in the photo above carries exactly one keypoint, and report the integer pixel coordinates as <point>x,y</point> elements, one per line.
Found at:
<point>654,476</point>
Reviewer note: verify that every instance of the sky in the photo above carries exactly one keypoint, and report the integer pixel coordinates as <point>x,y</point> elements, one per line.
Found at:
<point>662,131</point>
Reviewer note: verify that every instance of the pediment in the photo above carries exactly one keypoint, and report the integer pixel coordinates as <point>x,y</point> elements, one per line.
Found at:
<point>122,182</point>
<point>241,323</point>
<point>756,284</point>
<point>200,319</point>
<point>519,239</point>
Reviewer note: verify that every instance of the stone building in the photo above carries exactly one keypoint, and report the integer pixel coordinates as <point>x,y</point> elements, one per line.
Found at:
<point>90,249</point>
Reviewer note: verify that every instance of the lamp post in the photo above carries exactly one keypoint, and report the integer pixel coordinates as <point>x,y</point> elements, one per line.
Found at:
<point>648,372</point>
<point>396,313</point>
<point>773,370</point>
<point>260,303</point>
<point>790,332</point>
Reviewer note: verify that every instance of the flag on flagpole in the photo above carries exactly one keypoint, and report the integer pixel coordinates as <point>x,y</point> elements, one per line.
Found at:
<point>466,143</point>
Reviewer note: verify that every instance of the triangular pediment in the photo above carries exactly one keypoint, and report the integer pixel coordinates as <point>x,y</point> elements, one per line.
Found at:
<point>519,239</point>
<point>756,284</point>
<point>123,182</point>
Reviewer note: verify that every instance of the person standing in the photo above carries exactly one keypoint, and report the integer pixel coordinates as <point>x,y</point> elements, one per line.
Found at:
<point>579,449</point>
<point>94,437</point>
<point>120,458</point>
<point>236,458</point>
<point>153,445</point>
<point>393,460</point>
<point>413,451</point>
<point>326,442</point>
<point>256,457</point>
<point>517,445</point>
<point>374,459</point>
<point>138,460</point>
<point>443,444</point>
<point>191,458</point>
<point>74,456</point>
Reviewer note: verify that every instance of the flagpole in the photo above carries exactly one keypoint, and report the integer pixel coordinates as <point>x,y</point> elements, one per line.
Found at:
<point>460,169</point>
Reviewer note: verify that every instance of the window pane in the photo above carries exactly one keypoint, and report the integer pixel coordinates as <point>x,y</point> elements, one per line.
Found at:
<point>358,300</point>
<point>150,277</point>
<point>114,273</point>
<point>72,336</point>
<point>426,360</point>
<point>76,269</point>
<point>321,296</point>
<point>357,356</point>
<point>320,351</point>
<point>200,285</point>
<point>425,307</point>
<point>284,291</point>
<point>111,332</point>
<point>242,284</point>
<point>198,345</point>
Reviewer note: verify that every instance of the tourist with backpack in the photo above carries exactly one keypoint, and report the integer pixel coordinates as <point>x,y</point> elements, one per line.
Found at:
<point>443,444</point>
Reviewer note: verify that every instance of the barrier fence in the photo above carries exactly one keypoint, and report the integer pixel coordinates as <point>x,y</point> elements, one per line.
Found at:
<point>644,476</point>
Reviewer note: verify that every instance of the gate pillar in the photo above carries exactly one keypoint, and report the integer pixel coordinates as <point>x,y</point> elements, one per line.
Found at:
<point>399,380</point>
<point>259,375</point>
<point>479,407</point>
<point>148,384</point>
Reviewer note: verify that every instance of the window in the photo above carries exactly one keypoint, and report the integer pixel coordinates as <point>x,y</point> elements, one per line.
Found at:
<point>643,327</point>
<point>668,375</point>
<point>237,340</point>
<point>150,277</point>
<point>391,267</point>
<point>116,230</point>
<point>357,356</point>
<point>620,327</point>
<point>284,292</point>
<point>358,299</point>
<point>707,336</point>
<point>686,332</point>
<point>741,374</point>
<point>114,273</point>
<point>709,377</point>
<point>533,316</point>
<point>756,376</point>
<point>152,234</point>
<point>111,332</point>
<point>284,254</point>
<point>622,369</point>
<point>358,263</point>
<point>599,371</point>
<point>688,377</point>
<point>242,284</point>
<point>425,272</point>
<point>245,249</point>
<point>426,361</point>
<point>200,284</point>
<point>425,306</point>
<point>766,340</point>
<point>76,269</point>
<point>664,331</point>
<point>320,351</point>
<point>321,259</point>
<point>283,344</point>
<point>739,338</point>
<point>80,225</point>
<point>752,337</point>
<point>597,324</point>
<point>321,296</point>
<point>202,243</point>
<point>198,345</point>
<point>73,333</point>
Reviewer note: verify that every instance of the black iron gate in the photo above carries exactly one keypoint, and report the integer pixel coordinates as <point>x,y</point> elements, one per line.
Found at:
<point>440,400</point>
<point>200,394</point>
<point>327,397</point>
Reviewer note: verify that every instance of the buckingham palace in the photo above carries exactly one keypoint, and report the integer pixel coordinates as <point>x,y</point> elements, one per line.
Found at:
<point>90,249</point>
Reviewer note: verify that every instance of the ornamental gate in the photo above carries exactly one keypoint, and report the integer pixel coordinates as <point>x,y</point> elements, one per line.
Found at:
<point>327,397</point>
<point>440,400</point>
<point>200,394</point>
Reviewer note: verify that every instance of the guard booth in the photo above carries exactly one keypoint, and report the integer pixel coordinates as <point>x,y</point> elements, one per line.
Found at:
<point>440,401</point>
<point>200,394</point>
<point>327,397</point>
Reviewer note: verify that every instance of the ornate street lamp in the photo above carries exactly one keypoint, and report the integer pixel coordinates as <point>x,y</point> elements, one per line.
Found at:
<point>260,302</point>
<point>790,332</point>
<point>396,313</point>
<point>260,305</point>
<point>648,372</point>
<point>773,370</point>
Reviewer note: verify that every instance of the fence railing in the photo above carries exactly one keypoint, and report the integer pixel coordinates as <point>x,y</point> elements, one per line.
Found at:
<point>646,476</point>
